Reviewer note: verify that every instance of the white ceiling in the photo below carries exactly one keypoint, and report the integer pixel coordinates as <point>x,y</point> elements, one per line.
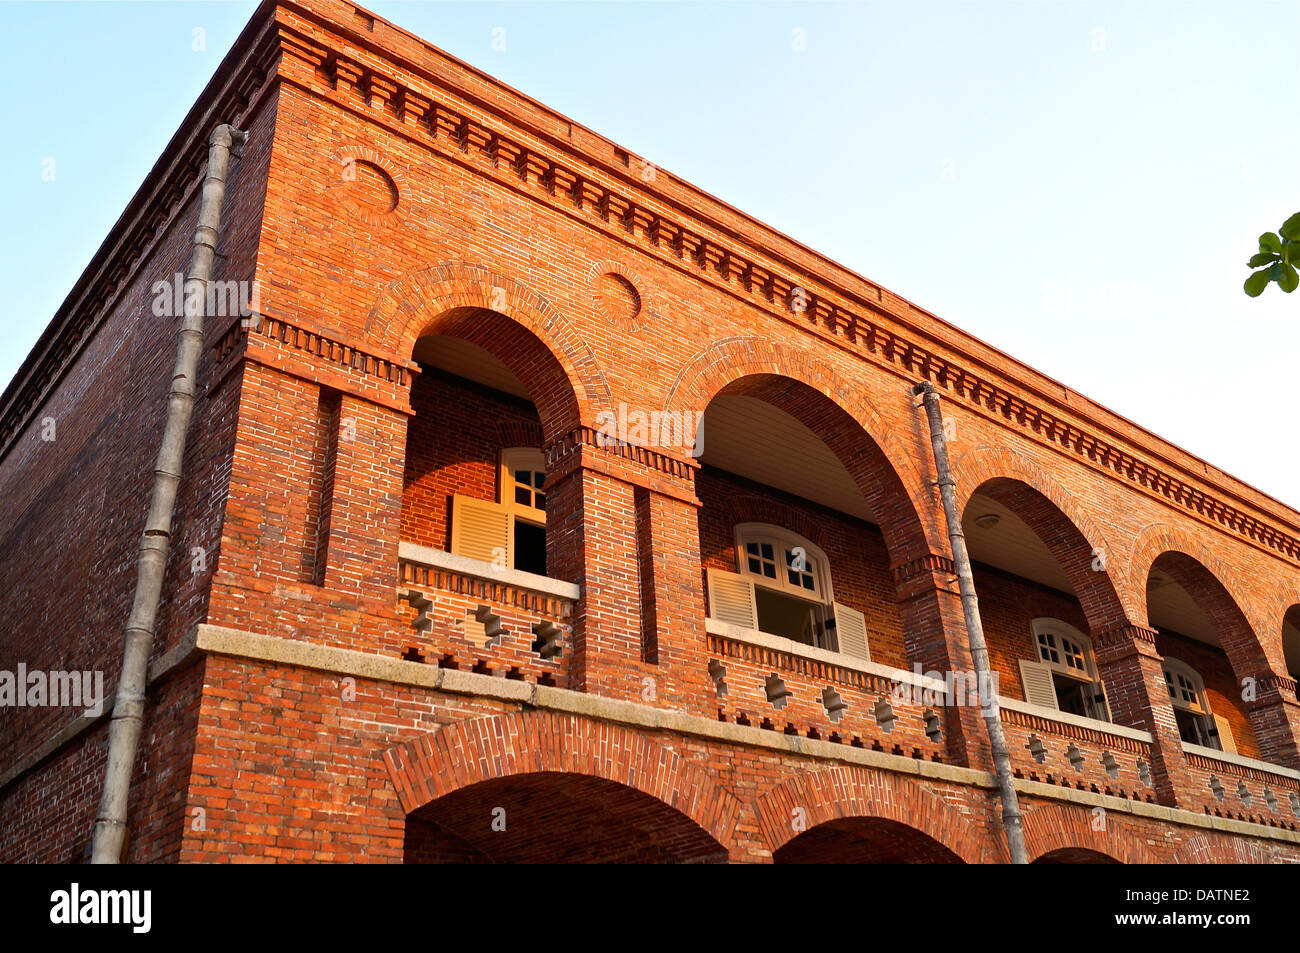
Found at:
<point>469,361</point>
<point>752,439</point>
<point>755,440</point>
<point>1012,546</point>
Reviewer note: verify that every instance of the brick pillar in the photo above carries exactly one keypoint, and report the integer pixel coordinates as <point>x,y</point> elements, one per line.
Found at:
<point>365,502</point>
<point>1275,716</point>
<point>630,539</point>
<point>934,627</point>
<point>1133,673</point>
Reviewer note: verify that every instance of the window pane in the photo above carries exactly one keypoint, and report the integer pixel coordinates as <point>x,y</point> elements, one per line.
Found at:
<point>523,496</point>
<point>539,501</point>
<point>768,553</point>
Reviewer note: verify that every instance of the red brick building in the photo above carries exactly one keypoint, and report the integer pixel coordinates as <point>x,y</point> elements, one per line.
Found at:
<point>420,607</point>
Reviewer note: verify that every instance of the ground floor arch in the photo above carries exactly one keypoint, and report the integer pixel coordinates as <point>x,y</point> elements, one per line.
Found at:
<point>554,817</point>
<point>864,840</point>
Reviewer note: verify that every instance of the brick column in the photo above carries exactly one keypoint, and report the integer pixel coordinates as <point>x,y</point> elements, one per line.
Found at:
<point>1275,716</point>
<point>1133,673</point>
<point>365,500</point>
<point>934,627</point>
<point>629,536</point>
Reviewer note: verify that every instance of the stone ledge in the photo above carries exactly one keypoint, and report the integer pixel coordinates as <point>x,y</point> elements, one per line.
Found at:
<point>426,556</point>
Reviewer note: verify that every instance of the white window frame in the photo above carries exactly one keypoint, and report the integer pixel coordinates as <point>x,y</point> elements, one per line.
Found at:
<point>1056,632</point>
<point>782,540</point>
<point>1212,726</point>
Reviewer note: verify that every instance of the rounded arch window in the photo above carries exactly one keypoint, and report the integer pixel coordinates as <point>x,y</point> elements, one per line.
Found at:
<point>780,559</point>
<point>1069,670</point>
<point>1197,724</point>
<point>791,582</point>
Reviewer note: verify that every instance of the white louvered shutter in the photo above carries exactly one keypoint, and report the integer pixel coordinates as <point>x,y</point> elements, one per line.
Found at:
<point>1226,741</point>
<point>731,599</point>
<point>851,632</point>
<point>480,530</point>
<point>1036,677</point>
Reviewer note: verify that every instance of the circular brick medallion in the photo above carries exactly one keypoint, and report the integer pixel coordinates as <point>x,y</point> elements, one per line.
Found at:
<point>367,185</point>
<point>618,302</point>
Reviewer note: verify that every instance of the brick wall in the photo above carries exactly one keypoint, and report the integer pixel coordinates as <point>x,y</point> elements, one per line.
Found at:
<point>318,445</point>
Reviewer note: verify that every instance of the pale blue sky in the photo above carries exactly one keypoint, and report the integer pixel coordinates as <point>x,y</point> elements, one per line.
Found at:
<point>1078,184</point>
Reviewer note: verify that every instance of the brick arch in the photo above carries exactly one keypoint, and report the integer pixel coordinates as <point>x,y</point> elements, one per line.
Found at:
<point>748,508</point>
<point>785,376</point>
<point>1212,586</point>
<point>1068,531</point>
<point>485,749</point>
<point>1221,849</point>
<point>1060,827</point>
<point>848,792</point>
<point>438,298</point>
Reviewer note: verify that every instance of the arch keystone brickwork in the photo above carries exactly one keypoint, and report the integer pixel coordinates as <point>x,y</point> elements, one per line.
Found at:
<point>413,305</point>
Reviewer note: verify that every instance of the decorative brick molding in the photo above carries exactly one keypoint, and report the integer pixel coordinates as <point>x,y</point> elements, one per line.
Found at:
<point>414,572</point>
<point>831,312</point>
<point>560,453</point>
<point>325,350</point>
<point>232,96</point>
<point>1125,635</point>
<point>724,646</point>
<point>1095,736</point>
<point>929,564</point>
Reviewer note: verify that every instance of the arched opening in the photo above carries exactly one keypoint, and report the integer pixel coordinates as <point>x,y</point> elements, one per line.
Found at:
<point>1075,855</point>
<point>802,518</point>
<point>556,818</point>
<point>1208,646</point>
<point>864,840</point>
<point>489,396</point>
<point>1043,590</point>
<point>485,581</point>
<point>1291,641</point>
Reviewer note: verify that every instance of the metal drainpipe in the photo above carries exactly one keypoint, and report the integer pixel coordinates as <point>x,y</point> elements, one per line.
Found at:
<point>1011,819</point>
<point>151,563</point>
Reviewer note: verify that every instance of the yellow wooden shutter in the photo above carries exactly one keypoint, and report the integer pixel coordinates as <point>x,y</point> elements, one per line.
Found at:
<point>480,530</point>
<point>731,599</point>
<point>1036,677</point>
<point>851,632</point>
<point>1226,741</point>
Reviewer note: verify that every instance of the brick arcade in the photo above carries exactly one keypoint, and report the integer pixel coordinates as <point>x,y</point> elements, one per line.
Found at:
<point>419,609</point>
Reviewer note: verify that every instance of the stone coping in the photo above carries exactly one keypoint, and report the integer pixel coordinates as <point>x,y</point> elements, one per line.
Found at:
<point>427,556</point>
<point>1241,761</point>
<point>779,643</point>
<point>1092,724</point>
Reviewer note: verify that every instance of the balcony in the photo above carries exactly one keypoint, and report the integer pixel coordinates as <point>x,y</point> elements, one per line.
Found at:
<point>1230,785</point>
<point>777,683</point>
<point>1071,751</point>
<point>471,615</point>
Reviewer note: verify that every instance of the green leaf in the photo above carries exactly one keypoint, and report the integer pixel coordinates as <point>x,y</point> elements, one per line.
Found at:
<point>1291,228</point>
<point>1256,283</point>
<point>1263,258</point>
<point>1289,279</point>
<point>1270,242</point>
<point>1275,272</point>
<point>1291,253</point>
